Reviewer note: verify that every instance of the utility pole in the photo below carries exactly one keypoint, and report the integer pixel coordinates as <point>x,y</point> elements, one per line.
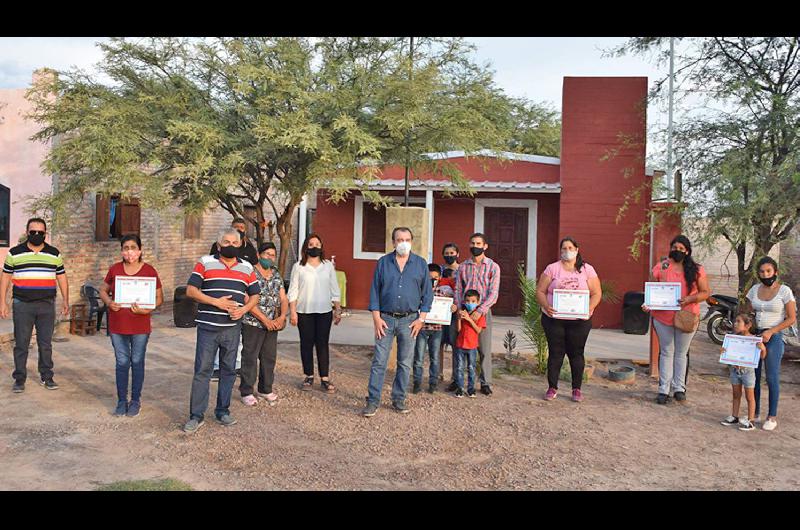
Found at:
<point>408,133</point>
<point>670,178</point>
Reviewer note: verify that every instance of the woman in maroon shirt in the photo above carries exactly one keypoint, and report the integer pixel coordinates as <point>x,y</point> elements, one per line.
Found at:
<point>129,327</point>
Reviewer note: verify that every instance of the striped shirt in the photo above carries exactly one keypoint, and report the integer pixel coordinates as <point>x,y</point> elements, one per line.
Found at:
<point>770,313</point>
<point>217,280</point>
<point>484,278</point>
<point>33,274</point>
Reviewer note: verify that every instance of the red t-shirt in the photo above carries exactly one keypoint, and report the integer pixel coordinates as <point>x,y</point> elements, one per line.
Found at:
<point>468,337</point>
<point>125,322</point>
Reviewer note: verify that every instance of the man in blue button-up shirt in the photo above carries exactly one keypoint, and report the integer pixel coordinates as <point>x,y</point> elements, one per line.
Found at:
<point>400,299</point>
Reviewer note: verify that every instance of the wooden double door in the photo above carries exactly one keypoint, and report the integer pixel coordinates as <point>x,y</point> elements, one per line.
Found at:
<point>507,231</point>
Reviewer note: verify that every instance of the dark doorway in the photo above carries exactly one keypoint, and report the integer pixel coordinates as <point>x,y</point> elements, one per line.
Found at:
<point>507,231</point>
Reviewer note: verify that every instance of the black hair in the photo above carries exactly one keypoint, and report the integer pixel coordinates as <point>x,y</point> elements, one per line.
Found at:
<point>748,321</point>
<point>238,220</point>
<point>434,267</point>
<point>480,235</point>
<point>579,259</point>
<point>450,245</point>
<point>472,292</point>
<point>402,229</point>
<point>766,260</point>
<point>305,248</point>
<point>35,220</point>
<point>266,245</point>
<point>131,237</point>
<point>690,267</point>
<point>448,272</point>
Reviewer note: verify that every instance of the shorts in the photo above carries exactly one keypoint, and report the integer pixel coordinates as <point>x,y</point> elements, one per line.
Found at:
<point>742,375</point>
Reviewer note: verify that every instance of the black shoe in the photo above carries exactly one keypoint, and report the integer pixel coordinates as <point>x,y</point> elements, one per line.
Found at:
<point>19,386</point>
<point>453,387</point>
<point>485,390</point>
<point>471,393</point>
<point>400,407</point>
<point>459,393</point>
<point>49,384</point>
<point>215,375</point>
<point>680,396</point>
<point>239,372</point>
<point>662,399</point>
<point>432,388</point>
<point>417,388</point>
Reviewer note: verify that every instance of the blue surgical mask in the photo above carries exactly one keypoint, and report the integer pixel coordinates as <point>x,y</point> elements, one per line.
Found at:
<point>470,306</point>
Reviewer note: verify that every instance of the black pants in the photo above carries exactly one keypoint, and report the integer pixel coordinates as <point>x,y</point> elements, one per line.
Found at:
<point>42,315</point>
<point>315,330</point>
<point>259,354</point>
<point>565,337</point>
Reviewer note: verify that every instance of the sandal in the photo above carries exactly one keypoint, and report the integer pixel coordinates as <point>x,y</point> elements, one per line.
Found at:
<point>308,382</point>
<point>328,387</point>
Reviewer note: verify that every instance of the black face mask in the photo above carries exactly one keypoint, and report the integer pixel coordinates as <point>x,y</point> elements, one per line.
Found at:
<point>241,235</point>
<point>35,239</point>
<point>450,259</point>
<point>476,251</point>
<point>229,251</point>
<point>314,252</point>
<point>769,281</point>
<point>677,255</point>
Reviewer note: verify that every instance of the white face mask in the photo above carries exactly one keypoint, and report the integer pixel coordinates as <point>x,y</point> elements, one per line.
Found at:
<point>404,248</point>
<point>569,255</point>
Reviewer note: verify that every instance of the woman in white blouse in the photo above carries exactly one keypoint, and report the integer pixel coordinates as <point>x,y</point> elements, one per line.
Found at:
<point>312,289</point>
<point>776,310</point>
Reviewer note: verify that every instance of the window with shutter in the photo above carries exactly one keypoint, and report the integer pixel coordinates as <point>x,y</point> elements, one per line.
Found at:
<point>102,230</point>
<point>130,218</point>
<point>373,226</point>
<point>115,217</point>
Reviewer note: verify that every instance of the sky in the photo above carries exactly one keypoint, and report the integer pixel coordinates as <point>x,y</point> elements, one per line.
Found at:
<point>532,67</point>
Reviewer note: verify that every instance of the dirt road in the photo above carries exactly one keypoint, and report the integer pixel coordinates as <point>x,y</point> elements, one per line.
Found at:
<point>617,439</point>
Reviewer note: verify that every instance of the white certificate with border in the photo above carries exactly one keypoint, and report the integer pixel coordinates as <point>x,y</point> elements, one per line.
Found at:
<point>662,296</point>
<point>440,312</point>
<point>741,350</point>
<point>135,289</point>
<point>571,304</point>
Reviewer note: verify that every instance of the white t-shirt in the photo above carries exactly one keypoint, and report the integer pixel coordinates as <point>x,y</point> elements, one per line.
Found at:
<point>773,312</point>
<point>314,288</point>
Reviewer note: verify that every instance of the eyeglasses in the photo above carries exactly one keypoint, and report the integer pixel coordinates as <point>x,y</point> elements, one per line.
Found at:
<point>36,232</point>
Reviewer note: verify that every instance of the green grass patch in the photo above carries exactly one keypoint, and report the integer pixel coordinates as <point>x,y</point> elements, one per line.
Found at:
<point>166,484</point>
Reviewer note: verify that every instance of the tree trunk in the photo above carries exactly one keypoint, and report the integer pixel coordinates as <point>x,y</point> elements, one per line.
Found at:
<point>284,229</point>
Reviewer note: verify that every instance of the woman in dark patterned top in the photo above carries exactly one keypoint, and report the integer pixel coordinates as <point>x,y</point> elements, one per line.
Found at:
<point>260,330</point>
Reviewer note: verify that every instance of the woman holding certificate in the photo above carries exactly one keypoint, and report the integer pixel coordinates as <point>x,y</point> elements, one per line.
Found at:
<point>776,310</point>
<point>131,290</point>
<point>676,326</point>
<point>568,292</point>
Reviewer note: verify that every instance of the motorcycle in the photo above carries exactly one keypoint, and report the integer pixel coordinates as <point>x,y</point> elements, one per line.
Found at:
<point>723,309</point>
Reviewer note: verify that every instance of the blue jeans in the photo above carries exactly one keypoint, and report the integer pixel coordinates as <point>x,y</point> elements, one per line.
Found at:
<point>208,341</point>
<point>773,363</point>
<point>398,327</point>
<point>470,357</point>
<point>431,339</point>
<point>129,351</point>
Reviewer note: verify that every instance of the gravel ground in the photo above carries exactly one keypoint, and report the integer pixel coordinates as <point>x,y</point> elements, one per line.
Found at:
<point>618,439</point>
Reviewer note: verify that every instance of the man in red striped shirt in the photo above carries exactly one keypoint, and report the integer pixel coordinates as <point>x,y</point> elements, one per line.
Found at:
<point>482,274</point>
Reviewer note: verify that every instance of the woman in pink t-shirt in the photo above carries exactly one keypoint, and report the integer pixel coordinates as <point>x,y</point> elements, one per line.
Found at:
<point>673,344</point>
<point>566,336</point>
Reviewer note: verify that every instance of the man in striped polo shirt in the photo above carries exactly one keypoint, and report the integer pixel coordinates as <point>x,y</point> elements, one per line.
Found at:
<point>225,288</point>
<point>34,268</point>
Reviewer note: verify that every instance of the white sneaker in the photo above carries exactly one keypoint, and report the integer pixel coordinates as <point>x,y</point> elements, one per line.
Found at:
<point>271,398</point>
<point>770,425</point>
<point>250,400</point>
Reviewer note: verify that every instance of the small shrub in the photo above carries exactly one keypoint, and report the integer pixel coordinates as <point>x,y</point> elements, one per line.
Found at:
<point>167,484</point>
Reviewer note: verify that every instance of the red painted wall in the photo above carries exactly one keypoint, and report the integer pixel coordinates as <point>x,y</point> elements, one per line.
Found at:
<point>596,112</point>
<point>488,169</point>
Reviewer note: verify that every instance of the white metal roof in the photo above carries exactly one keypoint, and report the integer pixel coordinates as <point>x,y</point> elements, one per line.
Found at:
<point>496,154</point>
<point>486,185</point>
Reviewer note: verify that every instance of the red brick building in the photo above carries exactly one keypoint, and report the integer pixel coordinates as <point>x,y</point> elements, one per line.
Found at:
<point>527,203</point>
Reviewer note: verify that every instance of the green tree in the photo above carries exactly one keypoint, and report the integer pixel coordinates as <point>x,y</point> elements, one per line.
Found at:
<point>536,129</point>
<point>259,121</point>
<point>738,150</point>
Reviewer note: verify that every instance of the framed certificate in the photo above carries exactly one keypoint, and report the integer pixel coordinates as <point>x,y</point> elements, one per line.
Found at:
<point>740,350</point>
<point>440,311</point>
<point>571,304</point>
<point>662,296</point>
<point>135,289</point>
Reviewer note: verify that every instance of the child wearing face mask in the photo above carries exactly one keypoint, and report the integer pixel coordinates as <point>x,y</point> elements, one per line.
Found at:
<point>469,331</point>
<point>743,377</point>
<point>129,327</point>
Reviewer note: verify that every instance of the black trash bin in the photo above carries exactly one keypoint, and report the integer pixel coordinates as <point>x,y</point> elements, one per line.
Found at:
<point>184,309</point>
<point>634,320</point>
